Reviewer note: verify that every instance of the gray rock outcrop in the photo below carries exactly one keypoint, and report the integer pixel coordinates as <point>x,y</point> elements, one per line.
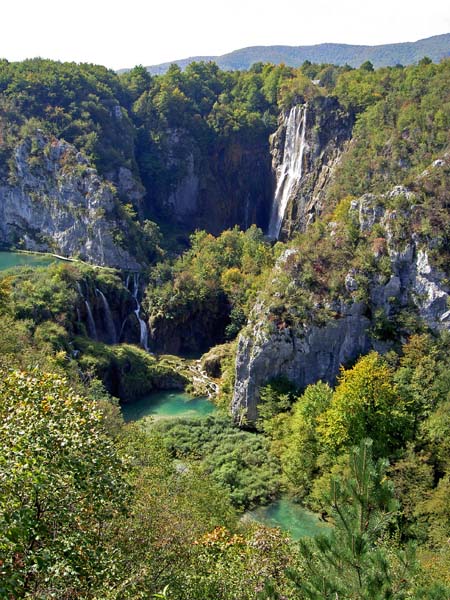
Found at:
<point>305,352</point>
<point>55,201</point>
<point>302,355</point>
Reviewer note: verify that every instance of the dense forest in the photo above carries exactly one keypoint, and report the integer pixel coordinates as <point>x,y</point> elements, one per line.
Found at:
<point>384,55</point>
<point>92,507</point>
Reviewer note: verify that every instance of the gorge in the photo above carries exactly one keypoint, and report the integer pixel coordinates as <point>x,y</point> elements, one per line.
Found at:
<point>274,242</point>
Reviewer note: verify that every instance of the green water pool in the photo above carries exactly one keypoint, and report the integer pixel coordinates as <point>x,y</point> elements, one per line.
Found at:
<point>167,404</point>
<point>285,514</point>
<point>19,259</point>
<point>290,517</point>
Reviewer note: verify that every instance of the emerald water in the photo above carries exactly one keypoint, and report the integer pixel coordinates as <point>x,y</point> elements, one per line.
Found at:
<point>285,514</point>
<point>17,259</point>
<point>290,517</point>
<point>167,404</point>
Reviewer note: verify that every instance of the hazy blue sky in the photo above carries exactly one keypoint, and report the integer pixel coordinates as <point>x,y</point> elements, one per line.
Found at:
<point>126,33</point>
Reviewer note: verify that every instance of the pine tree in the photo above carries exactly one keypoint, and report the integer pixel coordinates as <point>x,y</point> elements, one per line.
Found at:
<point>350,563</point>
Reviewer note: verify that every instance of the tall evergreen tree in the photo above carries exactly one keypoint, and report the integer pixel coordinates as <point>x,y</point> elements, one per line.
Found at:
<point>350,563</point>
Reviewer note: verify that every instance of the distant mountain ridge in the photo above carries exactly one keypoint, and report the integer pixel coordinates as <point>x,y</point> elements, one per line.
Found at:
<point>405,53</point>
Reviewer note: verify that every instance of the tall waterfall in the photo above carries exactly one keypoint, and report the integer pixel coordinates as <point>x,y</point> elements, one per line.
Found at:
<point>108,317</point>
<point>290,171</point>
<point>142,324</point>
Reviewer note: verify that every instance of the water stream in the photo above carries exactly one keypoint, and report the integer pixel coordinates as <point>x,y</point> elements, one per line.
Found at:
<point>92,329</point>
<point>285,514</point>
<point>108,317</point>
<point>142,324</point>
<point>290,170</point>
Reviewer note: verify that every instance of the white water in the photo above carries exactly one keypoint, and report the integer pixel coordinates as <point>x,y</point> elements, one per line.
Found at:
<point>142,324</point>
<point>108,317</point>
<point>92,329</point>
<point>90,321</point>
<point>290,171</point>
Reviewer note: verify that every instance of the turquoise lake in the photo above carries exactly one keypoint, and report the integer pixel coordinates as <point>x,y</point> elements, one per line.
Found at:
<point>290,517</point>
<point>167,404</point>
<point>17,259</point>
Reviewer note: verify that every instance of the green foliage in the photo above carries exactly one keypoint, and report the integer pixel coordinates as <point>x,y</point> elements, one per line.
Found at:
<point>171,508</point>
<point>423,377</point>
<point>351,563</point>
<point>42,294</point>
<point>302,448</point>
<point>246,565</point>
<point>275,397</point>
<point>61,483</point>
<point>238,460</point>
<point>80,103</point>
<point>364,403</point>
<point>403,125</point>
<point>128,371</point>
<point>215,281</point>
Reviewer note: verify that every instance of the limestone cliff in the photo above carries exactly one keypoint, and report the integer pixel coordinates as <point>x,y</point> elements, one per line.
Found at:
<point>403,233</point>
<point>54,200</point>
<point>303,355</point>
<point>214,188</point>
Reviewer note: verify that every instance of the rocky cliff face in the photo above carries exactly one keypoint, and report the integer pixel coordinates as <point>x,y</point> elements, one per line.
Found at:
<point>305,352</point>
<point>302,355</point>
<point>54,200</point>
<point>229,184</point>
<point>328,129</point>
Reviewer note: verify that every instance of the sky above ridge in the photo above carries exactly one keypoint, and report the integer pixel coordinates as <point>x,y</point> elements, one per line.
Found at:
<point>123,34</point>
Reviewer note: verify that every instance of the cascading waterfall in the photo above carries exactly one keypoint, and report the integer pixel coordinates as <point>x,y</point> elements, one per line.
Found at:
<point>90,321</point>
<point>92,329</point>
<point>108,317</point>
<point>142,324</point>
<point>290,170</point>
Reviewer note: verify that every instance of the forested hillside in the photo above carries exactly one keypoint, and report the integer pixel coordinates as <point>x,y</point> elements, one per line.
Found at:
<point>406,53</point>
<point>324,346</point>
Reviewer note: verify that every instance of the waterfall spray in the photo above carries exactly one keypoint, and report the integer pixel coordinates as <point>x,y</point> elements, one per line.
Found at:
<point>290,171</point>
<point>142,324</point>
<point>108,317</point>
<point>90,321</point>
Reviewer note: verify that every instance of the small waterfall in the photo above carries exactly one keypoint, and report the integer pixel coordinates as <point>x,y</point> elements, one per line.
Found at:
<point>143,325</point>
<point>122,328</point>
<point>290,171</point>
<point>108,317</point>
<point>247,212</point>
<point>92,329</point>
<point>90,321</point>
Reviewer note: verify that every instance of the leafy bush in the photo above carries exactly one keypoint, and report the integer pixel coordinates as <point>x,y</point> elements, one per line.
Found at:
<point>238,460</point>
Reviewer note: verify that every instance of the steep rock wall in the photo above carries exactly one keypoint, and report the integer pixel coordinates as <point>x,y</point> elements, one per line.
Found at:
<point>226,184</point>
<point>305,352</point>
<point>55,201</point>
<point>302,355</point>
